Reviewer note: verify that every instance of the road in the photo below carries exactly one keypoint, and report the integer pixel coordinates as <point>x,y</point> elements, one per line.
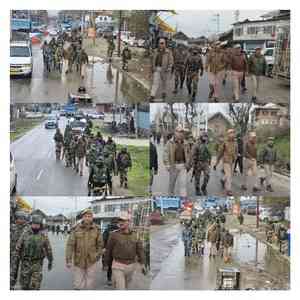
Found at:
<point>103,82</point>
<point>260,267</point>
<point>272,90</point>
<point>60,278</point>
<point>40,174</point>
<point>281,184</point>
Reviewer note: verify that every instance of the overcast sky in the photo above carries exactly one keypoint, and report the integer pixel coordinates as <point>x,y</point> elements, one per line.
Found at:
<point>58,205</point>
<point>211,108</point>
<point>195,23</point>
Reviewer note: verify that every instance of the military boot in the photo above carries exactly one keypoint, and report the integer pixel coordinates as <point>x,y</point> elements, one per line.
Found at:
<point>211,91</point>
<point>203,189</point>
<point>198,193</point>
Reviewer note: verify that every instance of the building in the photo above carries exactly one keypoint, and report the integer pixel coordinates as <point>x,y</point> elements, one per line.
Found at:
<point>218,123</point>
<point>260,33</point>
<point>107,208</point>
<point>270,115</point>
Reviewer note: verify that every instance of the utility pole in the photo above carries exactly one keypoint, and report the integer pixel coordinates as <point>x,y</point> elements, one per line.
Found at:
<point>236,15</point>
<point>119,33</point>
<point>257,211</point>
<point>217,20</point>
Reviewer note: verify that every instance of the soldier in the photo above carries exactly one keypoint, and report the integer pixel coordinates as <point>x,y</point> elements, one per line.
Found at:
<point>200,162</point>
<point>227,152</point>
<point>83,60</point>
<point>111,146</point>
<point>67,147</point>
<point>109,163</point>
<point>123,163</point>
<point>59,140</point>
<point>98,177</point>
<point>32,247</point>
<point>122,250</point>
<point>212,238</point>
<point>187,239</point>
<point>192,67</point>
<point>179,65</point>
<point>16,230</point>
<point>72,152</point>
<point>153,164</point>
<point>110,49</point>
<point>58,58</point>
<point>250,164</point>
<point>269,158</point>
<point>176,159</point>
<point>80,153</point>
<point>126,56</point>
<point>83,251</point>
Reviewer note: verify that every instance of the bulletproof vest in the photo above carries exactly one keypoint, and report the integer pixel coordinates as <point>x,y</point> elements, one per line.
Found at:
<point>99,175</point>
<point>202,153</point>
<point>194,63</point>
<point>34,247</point>
<point>125,162</point>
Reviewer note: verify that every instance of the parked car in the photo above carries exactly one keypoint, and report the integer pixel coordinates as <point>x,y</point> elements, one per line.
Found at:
<point>269,56</point>
<point>13,175</point>
<point>51,122</point>
<point>271,215</point>
<point>21,62</point>
<point>78,126</point>
<point>251,209</point>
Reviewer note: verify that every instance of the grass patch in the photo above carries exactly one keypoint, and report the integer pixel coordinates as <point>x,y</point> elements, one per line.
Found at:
<point>23,126</point>
<point>138,176</point>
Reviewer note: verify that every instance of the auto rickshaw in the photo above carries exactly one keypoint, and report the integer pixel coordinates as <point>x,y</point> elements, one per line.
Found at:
<point>228,278</point>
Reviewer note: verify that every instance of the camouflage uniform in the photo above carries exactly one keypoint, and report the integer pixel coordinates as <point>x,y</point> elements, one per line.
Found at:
<point>200,161</point>
<point>72,152</point>
<point>123,163</point>
<point>109,163</point>
<point>126,56</point>
<point>16,231</point>
<point>179,67</point>
<point>32,249</point>
<point>192,67</point>
<point>110,49</point>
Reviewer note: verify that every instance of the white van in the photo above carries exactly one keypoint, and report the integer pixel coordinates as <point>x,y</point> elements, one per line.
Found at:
<point>21,62</point>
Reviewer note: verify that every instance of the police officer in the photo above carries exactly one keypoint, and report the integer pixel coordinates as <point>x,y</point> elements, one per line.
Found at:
<point>16,230</point>
<point>192,67</point>
<point>123,163</point>
<point>32,247</point>
<point>122,250</point>
<point>200,161</point>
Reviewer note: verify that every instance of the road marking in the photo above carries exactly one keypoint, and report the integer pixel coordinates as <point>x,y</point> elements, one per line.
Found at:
<point>40,174</point>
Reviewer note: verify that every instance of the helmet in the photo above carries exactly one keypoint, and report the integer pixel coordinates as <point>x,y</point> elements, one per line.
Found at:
<point>36,219</point>
<point>124,149</point>
<point>21,215</point>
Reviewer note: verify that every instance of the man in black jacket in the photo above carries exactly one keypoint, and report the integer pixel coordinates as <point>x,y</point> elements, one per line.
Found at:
<point>153,163</point>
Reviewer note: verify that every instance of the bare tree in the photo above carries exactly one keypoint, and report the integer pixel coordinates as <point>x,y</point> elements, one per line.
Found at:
<point>240,116</point>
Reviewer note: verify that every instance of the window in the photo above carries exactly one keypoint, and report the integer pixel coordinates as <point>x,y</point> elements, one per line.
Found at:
<point>124,207</point>
<point>239,31</point>
<point>253,30</point>
<point>110,208</point>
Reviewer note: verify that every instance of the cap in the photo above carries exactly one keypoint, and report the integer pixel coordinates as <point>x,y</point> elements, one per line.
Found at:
<point>258,47</point>
<point>124,216</point>
<point>252,134</point>
<point>230,131</point>
<point>87,211</point>
<point>237,46</point>
<point>270,138</point>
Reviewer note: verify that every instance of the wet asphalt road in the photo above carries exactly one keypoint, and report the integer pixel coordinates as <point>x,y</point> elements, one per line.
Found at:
<point>161,180</point>
<point>272,90</point>
<point>103,82</point>
<point>260,268</point>
<point>60,278</point>
<point>40,174</point>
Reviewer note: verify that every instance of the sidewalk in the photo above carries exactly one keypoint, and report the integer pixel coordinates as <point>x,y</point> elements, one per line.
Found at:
<point>139,67</point>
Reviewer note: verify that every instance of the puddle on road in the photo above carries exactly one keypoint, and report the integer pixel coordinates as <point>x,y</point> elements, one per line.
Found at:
<point>103,82</point>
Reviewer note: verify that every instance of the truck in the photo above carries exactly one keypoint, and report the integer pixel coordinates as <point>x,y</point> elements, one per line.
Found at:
<point>281,68</point>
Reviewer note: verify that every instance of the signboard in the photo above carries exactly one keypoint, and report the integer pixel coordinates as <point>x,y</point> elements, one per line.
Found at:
<point>168,202</point>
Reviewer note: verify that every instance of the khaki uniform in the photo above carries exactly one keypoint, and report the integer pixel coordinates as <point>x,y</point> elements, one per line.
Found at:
<point>161,72</point>
<point>122,250</point>
<point>250,165</point>
<point>228,152</point>
<point>84,249</point>
<point>178,169</point>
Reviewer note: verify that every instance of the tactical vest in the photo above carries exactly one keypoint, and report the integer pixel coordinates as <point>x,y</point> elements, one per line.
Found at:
<point>202,153</point>
<point>34,247</point>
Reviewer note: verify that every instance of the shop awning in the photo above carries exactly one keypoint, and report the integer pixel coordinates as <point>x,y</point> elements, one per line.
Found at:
<point>164,25</point>
<point>23,205</point>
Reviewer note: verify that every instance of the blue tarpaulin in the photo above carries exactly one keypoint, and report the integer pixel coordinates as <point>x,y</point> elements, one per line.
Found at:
<point>168,202</point>
<point>21,24</point>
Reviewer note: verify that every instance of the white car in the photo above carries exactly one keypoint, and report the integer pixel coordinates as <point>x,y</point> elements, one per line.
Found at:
<point>53,32</point>
<point>269,56</point>
<point>13,175</point>
<point>21,62</point>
